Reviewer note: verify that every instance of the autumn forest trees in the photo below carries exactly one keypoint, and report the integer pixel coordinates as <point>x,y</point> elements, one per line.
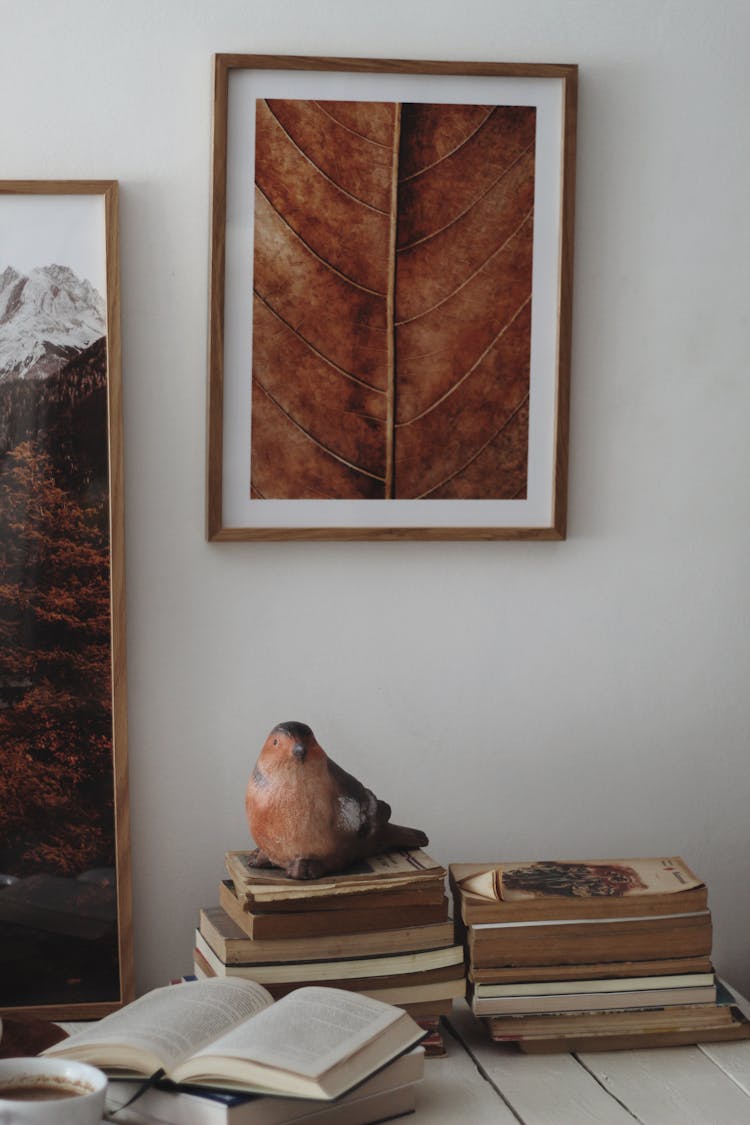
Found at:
<point>56,796</point>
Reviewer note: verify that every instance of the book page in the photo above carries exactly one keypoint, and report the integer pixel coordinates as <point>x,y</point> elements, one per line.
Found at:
<point>175,1021</point>
<point>308,1031</point>
<point>483,883</point>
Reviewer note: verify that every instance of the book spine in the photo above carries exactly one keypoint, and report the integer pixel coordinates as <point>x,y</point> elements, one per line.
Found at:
<point>572,944</point>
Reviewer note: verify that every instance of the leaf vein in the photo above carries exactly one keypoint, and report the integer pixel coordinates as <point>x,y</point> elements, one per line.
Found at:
<point>348,129</point>
<point>316,351</point>
<point>474,203</point>
<point>313,253</point>
<point>446,155</point>
<point>452,389</point>
<point>320,445</point>
<point>329,179</point>
<point>478,453</point>
<point>471,276</point>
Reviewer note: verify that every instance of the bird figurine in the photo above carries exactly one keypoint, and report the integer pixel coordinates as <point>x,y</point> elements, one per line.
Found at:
<point>308,815</point>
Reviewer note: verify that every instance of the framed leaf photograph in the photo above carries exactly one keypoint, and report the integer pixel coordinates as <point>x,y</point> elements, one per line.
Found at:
<point>65,913</point>
<point>390,311</point>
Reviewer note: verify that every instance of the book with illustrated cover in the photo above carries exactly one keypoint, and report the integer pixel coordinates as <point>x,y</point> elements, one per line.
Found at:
<point>576,888</point>
<point>593,878</point>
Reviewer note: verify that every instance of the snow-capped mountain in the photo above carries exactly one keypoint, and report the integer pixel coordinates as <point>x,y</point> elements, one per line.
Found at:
<point>46,318</point>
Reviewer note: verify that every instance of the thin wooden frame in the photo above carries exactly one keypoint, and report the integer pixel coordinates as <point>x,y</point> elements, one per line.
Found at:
<point>232,512</point>
<point>65,933</point>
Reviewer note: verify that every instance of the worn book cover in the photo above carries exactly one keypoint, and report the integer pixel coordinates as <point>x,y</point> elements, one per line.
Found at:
<point>669,1017</point>
<point>594,986</point>
<point>586,1001</point>
<point>545,878</point>
<point>675,1025</point>
<point>333,968</point>
<point>233,945</point>
<point>429,992</point>
<point>573,941</point>
<point>391,869</point>
<point>514,974</point>
<point>737,1029</point>
<point>487,892</point>
<point>365,914</point>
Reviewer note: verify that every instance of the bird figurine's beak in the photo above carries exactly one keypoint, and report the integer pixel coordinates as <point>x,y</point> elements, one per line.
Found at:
<point>299,751</point>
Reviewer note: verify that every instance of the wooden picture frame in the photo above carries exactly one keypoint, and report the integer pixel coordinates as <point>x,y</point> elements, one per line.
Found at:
<point>390,299</point>
<point>65,878</point>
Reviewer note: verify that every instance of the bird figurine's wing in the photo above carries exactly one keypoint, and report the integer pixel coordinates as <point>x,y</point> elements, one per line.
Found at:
<point>360,811</point>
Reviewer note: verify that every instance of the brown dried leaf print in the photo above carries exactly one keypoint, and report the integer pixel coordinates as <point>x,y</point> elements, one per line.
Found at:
<point>392,300</point>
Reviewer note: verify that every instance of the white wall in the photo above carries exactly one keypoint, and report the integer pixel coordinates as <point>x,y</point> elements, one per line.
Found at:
<point>552,699</point>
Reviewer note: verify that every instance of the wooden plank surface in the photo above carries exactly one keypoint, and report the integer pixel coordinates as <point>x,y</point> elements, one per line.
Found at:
<point>733,1059</point>
<point>454,1091</point>
<point>540,1089</point>
<point>670,1086</point>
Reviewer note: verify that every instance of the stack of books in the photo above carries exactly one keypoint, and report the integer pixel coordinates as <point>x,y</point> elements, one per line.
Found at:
<point>381,928</point>
<point>591,955</point>
<point>392,1092</point>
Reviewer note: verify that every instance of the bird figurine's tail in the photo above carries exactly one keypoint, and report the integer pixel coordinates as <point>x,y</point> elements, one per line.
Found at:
<point>396,836</point>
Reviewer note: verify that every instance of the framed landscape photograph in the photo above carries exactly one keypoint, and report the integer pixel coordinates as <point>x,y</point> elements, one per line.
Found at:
<point>390,312</point>
<point>65,901</point>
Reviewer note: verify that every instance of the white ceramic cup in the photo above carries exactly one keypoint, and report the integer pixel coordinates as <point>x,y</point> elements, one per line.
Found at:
<point>84,1107</point>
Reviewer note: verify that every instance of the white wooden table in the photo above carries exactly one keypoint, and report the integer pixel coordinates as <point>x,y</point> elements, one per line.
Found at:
<point>484,1083</point>
<point>481,1083</point>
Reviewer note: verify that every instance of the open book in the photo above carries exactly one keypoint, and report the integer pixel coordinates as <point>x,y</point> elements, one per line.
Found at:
<point>229,1033</point>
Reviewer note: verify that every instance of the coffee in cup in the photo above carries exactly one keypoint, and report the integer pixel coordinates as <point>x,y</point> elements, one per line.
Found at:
<point>41,1091</point>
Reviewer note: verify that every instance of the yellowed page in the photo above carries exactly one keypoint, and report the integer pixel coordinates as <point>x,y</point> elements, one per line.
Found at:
<point>308,1031</point>
<point>168,1024</point>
